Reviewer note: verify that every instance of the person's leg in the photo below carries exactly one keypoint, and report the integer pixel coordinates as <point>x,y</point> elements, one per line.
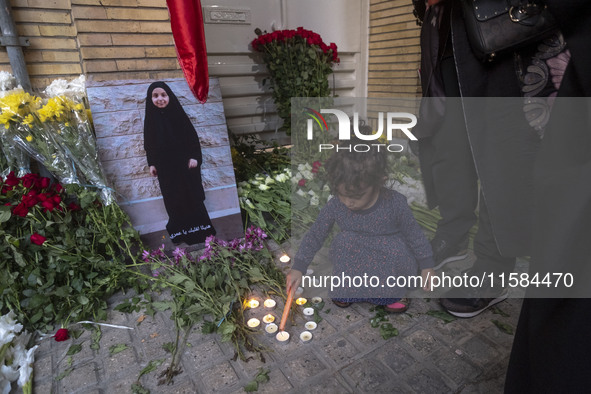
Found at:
<point>454,177</point>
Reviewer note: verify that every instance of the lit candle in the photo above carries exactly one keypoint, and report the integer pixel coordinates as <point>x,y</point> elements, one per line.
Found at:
<point>269,318</point>
<point>310,325</point>
<point>308,311</point>
<point>269,303</point>
<point>316,300</point>
<point>285,258</point>
<point>252,304</point>
<point>253,323</point>
<point>306,336</point>
<point>282,337</point>
<point>271,328</point>
<point>301,301</point>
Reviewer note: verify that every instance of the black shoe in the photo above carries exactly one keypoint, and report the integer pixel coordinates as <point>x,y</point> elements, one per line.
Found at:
<point>444,252</point>
<point>470,307</point>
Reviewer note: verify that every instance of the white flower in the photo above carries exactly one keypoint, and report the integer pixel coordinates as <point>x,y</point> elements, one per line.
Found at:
<point>315,200</point>
<point>288,171</point>
<point>312,193</point>
<point>243,184</point>
<point>59,87</point>
<point>254,182</point>
<point>300,192</point>
<point>26,361</point>
<point>281,178</point>
<point>326,188</point>
<point>263,187</point>
<point>296,178</point>
<point>9,327</point>
<point>249,203</point>
<point>307,174</point>
<point>7,81</point>
<point>269,180</point>
<point>330,196</point>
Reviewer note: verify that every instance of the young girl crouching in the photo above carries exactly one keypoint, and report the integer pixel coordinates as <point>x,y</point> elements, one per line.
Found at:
<point>378,234</point>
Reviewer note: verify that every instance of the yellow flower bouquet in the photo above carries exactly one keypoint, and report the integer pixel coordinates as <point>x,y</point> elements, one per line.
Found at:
<point>22,126</point>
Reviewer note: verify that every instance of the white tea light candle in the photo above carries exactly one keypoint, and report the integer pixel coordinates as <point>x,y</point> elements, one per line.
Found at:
<point>271,328</point>
<point>269,318</point>
<point>284,259</point>
<point>301,301</point>
<point>282,337</point>
<point>308,311</point>
<point>252,303</point>
<point>316,300</point>
<point>269,303</point>
<point>253,323</point>
<point>310,325</point>
<point>306,336</point>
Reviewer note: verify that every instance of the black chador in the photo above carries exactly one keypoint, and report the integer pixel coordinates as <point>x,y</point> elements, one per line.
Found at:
<point>174,155</point>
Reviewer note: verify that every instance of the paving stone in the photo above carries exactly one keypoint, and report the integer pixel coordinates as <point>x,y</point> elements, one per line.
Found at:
<point>45,386</point>
<point>451,333</point>
<point>456,367</point>
<point>218,378</point>
<point>428,381</point>
<point>327,384</point>
<point>200,357</point>
<point>502,338</point>
<point>277,383</point>
<point>119,362</point>
<point>83,376</point>
<point>371,376</point>
<point>394,356</point>
<point>340,317</point>
<point>402,321</point>
<point>43,367</point>
<point>422,341</point>
<point>303,367</point>
<point>367,337</point>
<point>480,351</point>
<point>340,351</point>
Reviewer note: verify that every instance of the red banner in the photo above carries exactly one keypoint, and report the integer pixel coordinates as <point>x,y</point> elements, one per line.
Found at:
<point>186,19</point>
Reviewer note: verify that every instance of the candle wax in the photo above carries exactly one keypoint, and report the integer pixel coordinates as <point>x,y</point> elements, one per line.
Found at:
<point>284,259</point>
<point>254,322</point>
<point>301,301</point>
<point>282,336</point>
<point>253,304</point>
<point>271,328</point>
<point>269,318</point>
<point>269,303</point>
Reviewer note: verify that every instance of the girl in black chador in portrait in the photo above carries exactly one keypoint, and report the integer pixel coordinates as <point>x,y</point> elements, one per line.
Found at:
<point>173,152</point>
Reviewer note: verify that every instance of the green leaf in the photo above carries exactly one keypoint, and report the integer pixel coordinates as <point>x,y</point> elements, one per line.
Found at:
<point>168,347</point>
<point>74,349</point>
<point>5,214</point>
<point>64,374</point>
<point>251,387</point>
<point>498,311</point>
<point>446,317</point>
<point>117,348</point>
<point>388,331</point>
<point>152,366</point>
<point>137,388</point>
<point>262,376</point>
<point>504,327</point>
<point>96,337</point>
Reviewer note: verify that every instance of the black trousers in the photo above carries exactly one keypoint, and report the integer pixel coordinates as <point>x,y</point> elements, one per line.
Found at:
<point>451,181</point>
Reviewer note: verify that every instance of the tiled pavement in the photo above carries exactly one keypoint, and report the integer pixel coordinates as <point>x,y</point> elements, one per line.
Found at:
<point>346,355</point>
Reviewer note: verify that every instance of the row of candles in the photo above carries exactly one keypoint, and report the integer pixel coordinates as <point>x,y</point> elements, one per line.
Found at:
<point>269,319</point>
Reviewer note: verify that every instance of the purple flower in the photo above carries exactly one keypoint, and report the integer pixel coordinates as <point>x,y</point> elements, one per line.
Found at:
<point>145,256</point>
<point>179,253</point>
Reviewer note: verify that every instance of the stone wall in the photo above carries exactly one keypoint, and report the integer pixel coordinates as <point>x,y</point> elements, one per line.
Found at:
<point>118,109</point>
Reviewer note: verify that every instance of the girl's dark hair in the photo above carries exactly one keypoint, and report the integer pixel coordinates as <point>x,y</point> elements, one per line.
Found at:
<point>356,169</point>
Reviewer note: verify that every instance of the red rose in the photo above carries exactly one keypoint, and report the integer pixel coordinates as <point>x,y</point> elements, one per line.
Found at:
<point>42,183</point>
<point>6,189</point>
<point>56,199</point>
<point>38,239</point>
<point>73,206</point>
<point>20,210</point>
<point>29,180</point>
<point>62,335</point>
<point>57,187</point>
<point>302,182</point>
<point>30,200</point>
<point>11,179</point>
<point>48,205</point>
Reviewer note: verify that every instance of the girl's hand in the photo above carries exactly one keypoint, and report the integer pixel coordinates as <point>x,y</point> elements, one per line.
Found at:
<point>193,163</point>
<point>153,171</point>
<point>427,275</point>
<point>293,280</point>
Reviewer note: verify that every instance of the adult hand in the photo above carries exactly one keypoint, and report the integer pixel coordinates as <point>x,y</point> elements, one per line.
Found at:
<point>193,163</point>
<point>153,171</point>
<point>293,280</point>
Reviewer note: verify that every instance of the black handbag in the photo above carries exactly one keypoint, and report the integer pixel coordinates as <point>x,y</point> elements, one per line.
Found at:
<point>495,27</point>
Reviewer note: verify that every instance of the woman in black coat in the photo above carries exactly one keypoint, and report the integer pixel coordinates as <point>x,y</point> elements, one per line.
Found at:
<point>174,155</point>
